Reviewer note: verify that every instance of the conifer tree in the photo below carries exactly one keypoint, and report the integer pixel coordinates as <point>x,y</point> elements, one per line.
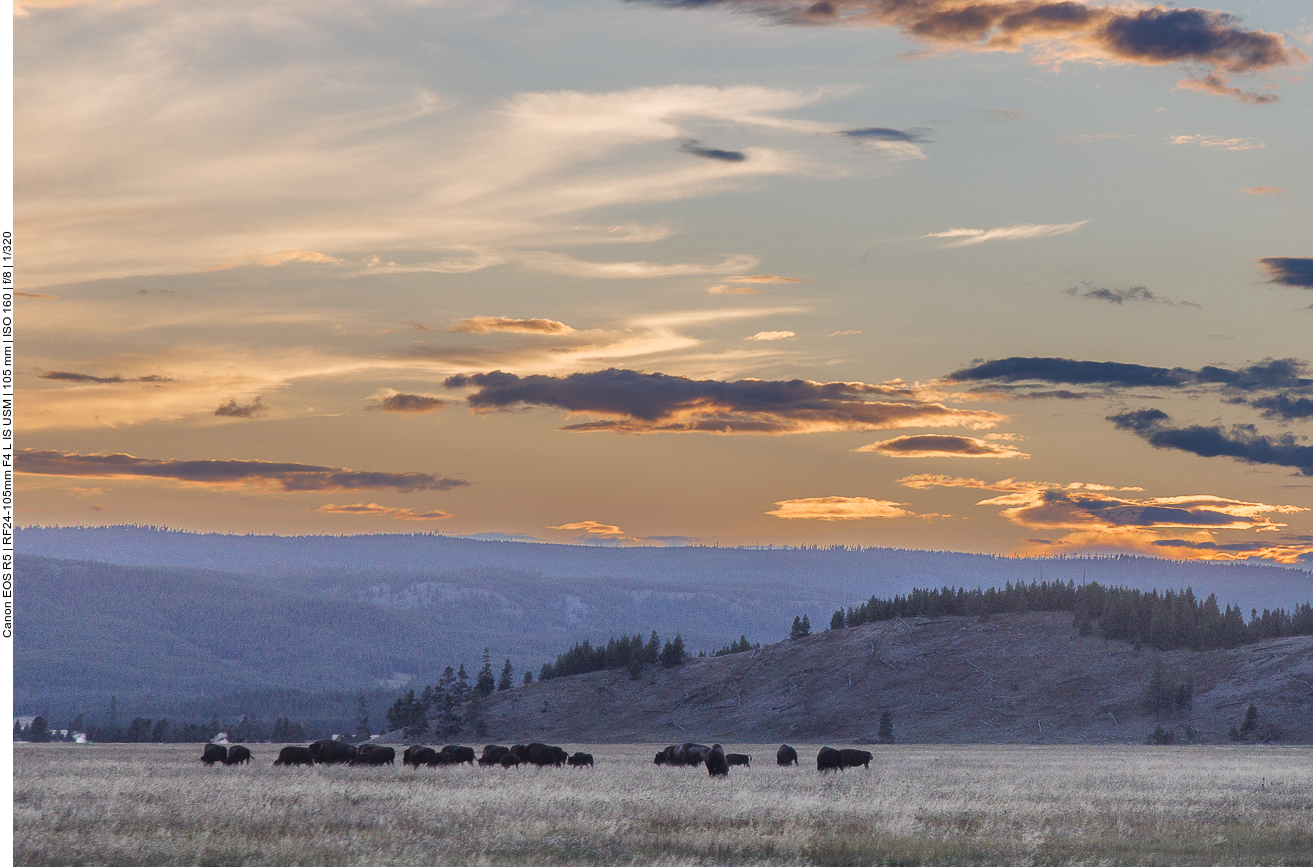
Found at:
<point>507,679</point>
<point>485,683</point>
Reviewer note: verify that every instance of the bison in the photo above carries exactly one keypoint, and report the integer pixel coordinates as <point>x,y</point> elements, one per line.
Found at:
<point>373,754</point>
<point>455,755</point>
<point>237,755</point>
<point>330,752</point>
<point>684,755</point>
<point>853,758</point>
<point>786,755</point>
<point>829,759</point>
<point>543,755</point>
<point>295,756</point>
<point>717,766</point>
<point>580,760</point>
<point>734,759</point>
<point>509,760</point>
<point>492,754</point>
<point>214,753</point>
<point>419,755</point>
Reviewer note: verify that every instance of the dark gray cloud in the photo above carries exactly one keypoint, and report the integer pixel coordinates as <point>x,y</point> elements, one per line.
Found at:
<point>1242,442</point>
<point>1213,42</point>
<point>1090,292</point>
<point>1284,406</point>
<point>696,148</point>
<point>69,376</point>
<point>635,402</point>
<point>408,403</point>
<point>1268,374</point>
<point>287,476</point>
<point>1289,271</point>
<point>233,409</point>
<point>883,133</point>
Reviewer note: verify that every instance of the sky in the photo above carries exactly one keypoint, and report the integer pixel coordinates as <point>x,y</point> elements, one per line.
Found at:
<point>1008,276</point>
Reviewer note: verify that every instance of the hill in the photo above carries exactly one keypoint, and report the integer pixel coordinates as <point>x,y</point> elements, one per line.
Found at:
<point>1016,678</point>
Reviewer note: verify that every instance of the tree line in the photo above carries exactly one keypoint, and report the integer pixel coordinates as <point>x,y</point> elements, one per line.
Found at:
<point>626,652</point>
<point>144,730</point>
<point>1163,620</point>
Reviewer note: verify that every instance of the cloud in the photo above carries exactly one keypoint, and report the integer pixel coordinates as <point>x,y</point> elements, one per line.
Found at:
<point>942,446</point>
<point>1121,296</point>
<point>561,263</point>
<point>772,335</point>
<point>1055,30</point>
<point>630,401</point>
<point>897,143</point>
<point>68,376</point>
<point>593,528</point>
<point>1217,142</point>
<point>737,290</point>
<point>278,259</point>
<point>1290,554</point>
<point>407,403</point>
<point>838,509</point>
<point>769,278</point>
<point>489,324</point>
<point>375,510</point>
<point>1284,406</point>
<point>696,148</point>
<point>1243,442</point>
<point>1006,233</point>
<point>224,473</point>
<point>232,409</point>
<point>21,294</point>
<point>1289,271</point>
<point>1002,115</point>
<point>846,333</point>
<point>1216,84</point>
<point>1267,374</point>
<point>1262,191</point>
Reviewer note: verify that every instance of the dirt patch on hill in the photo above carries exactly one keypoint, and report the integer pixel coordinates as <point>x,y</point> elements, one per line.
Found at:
<point>1018,678</point>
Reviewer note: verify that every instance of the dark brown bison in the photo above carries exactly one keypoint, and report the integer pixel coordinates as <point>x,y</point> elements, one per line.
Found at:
<point>543,755</point>
<point>829,759</point>
<point>492,754</point>
<point>786,755</point>
<point>580,760</point>
<point>455,755</point>
<point>214,753</point>
<point>374,754</point>
<point>295,756</point>
<point>738,759</point>
<point>853,758</point>
<point>419,755</point>
<point>682,756</point>
<point>715,761</point>
<point>509,760</point>
<point>237,755</point>
<point>330,752</point>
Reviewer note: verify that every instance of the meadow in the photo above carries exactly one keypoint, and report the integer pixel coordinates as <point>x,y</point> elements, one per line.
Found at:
<point>142,804</point>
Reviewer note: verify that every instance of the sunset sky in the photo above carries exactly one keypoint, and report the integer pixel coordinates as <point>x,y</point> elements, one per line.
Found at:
<point>1008,276</point>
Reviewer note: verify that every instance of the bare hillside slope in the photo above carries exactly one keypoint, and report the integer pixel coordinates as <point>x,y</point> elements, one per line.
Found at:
<point>1019,678</point>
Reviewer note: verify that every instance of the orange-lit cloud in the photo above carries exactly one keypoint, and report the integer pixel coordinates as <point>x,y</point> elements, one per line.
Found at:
<point>489,324</point>
<point>375,510</point>
<point>1019,232</point>
<point>1262,191</point>
<point>636,402</point>
<point>593,528</point>
<point>395,401</point>
<point>838,509</point>
<point>942,446</point>
<point>737,290</point>
<point>768,278</point>
<point>275,260</point>
<point>227,473</point>
<point>1217,142</point>
<point>772,335</point>
<point>21,294</point>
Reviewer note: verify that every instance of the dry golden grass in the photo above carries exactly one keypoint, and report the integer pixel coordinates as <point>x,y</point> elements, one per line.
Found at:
<point>155,805</point>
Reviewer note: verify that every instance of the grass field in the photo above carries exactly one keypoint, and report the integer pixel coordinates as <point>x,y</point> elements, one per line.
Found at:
<point>927,805</point>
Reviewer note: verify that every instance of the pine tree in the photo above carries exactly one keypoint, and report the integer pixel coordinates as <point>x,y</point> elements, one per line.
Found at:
<point>362,727</point>
<point>652,650</point>
<point>528,678</point>
<point>39,731</point>
<point>1250,723</point>
<point>673,653</point>
<point>507,679</point>
<point>485,683</point>
<point>836,622</point>
<point>886,727</point>
<point>801,627</point>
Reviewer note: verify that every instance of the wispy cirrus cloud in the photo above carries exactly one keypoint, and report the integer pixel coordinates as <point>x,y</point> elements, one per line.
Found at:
<point>1119,296</point>
<point>291,477</point>
<point>696,148</point>
<point>490,324</point>
<point>1020,232</point>
<point>1211,41</point>
<point>838,509</point>
<point>374,510</point>
<point>942,446</point>
<point>631,401</point>
<point>1217,142</point>
<point>772,335</point>
<point>91,379</point>
<point>769,278</point>
<point>1263,191</point>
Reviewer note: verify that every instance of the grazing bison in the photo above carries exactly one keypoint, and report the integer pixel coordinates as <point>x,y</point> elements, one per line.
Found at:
<point>684,755</point>
<point>853,758</point>
<point>237,755</point>
<point>829,759</point>
<point>580,760</point>
<point>419,755</point>
<point>715,761</point>
<point>214,753</point>
<point>738,759</point>
<point>295,756</point>
<point>330,752</point>
<point>509,760</point>
<point>492,754</point>
<point>373,754</point>
<point>543,755</point>
<point>786,755</point>
<point>455,755</point>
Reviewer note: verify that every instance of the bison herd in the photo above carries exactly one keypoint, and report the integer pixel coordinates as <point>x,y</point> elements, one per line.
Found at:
<point>333,752</point>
